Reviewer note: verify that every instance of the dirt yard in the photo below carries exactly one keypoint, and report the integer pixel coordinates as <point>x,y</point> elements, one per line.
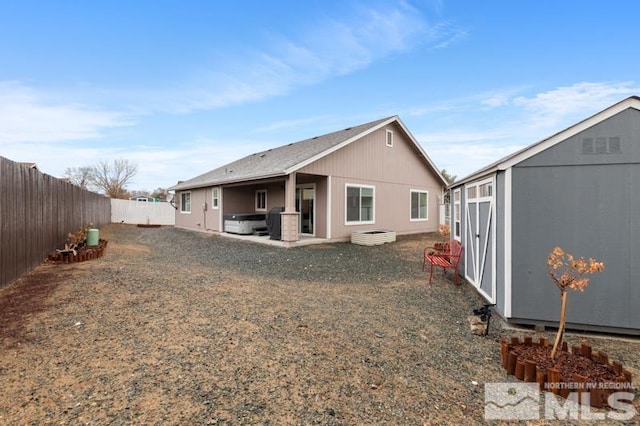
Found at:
<point>174,327</point>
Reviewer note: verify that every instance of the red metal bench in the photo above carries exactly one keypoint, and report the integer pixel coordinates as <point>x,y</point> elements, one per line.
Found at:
<point>448,258</point>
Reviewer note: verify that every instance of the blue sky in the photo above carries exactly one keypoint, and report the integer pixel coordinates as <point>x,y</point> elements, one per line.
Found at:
<point>182,87</point>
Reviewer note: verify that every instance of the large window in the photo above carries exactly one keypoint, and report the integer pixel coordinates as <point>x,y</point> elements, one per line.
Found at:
<point>215,198</point>
<point>261,200</point>
<point>360,202</point>
<point>185,202</point>
<point>419,205</point>
<point>456,214</point>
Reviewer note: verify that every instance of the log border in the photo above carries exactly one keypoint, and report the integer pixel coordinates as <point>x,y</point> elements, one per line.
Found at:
<point>82,256</point>
<point>549,379</point>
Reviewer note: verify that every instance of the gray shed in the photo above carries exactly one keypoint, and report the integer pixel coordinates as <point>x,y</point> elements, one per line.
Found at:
<point>578,189</point>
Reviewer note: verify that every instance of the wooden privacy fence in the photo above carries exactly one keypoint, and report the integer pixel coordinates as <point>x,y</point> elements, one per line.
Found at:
<point>37,211</point>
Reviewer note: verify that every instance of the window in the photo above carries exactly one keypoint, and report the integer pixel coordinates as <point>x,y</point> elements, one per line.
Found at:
<point>456,214</point>
<point>419,205</point>
<point>261,200</point>
<point>471,192</point>
<point>482,189</point>
<point>360,204</point>
<point>389,139</point>
<point>486,189</point>
<point>185,202</point>
<point>215,198</point>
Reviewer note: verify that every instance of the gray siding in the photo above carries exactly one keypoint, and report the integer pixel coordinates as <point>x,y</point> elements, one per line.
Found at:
<point>587,204</point>
<point>625,126</point>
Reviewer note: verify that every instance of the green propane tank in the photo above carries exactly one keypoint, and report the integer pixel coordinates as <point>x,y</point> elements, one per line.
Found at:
<point>92,237</point>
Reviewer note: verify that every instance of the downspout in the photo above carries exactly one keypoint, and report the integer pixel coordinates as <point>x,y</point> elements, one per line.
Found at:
<point>329,207</point>
<point>220,210</point>
<point>204,210</point>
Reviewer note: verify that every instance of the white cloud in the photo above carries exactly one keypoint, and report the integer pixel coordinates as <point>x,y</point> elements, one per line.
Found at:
<point>279,125</point>
<point>472,132</point>
<point>462,159</point>
<point>497,99</point>
<point>322,50</point>
<point>27,116</point>
<point>557,106</point>
<point>446,35</point>
<point>158,166</point>
<point>464,136</point>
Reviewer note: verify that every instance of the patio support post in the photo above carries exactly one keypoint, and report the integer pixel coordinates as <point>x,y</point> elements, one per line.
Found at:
<point>289,217</point>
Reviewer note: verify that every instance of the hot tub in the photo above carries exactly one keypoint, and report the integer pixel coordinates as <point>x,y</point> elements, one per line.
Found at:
<point>244,223</point>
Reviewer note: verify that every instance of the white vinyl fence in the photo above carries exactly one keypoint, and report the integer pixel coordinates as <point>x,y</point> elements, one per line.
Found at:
<point>444,211</point>
<point>142,213</point>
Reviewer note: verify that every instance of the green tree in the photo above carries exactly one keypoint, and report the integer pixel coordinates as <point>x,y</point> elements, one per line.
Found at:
<point>160,194</point>
<point>450,179</point>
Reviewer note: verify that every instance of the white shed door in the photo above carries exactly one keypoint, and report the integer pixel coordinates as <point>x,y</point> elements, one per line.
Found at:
<point>479,238</point>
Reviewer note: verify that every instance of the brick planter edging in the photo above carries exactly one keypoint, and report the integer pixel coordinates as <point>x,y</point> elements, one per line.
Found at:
<point>548,379</point>
<point>85,253</point>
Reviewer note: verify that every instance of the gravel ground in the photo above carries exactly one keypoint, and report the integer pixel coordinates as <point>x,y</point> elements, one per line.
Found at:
<point>176,327</point>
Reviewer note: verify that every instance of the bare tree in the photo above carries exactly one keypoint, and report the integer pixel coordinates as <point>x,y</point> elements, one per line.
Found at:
<point>112,178</point>
<point>80,176</point>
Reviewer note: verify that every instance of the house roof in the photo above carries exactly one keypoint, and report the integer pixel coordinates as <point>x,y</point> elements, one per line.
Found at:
<point>533,149</point>
<point>286,159</point>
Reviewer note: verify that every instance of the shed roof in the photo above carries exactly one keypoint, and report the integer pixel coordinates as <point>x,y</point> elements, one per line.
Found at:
<point>288,158</point>
<point>533,149</point>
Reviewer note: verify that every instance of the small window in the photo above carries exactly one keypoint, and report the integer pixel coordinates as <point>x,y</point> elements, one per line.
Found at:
<point>360,204</point>
<point>419,205</point>
<point>261,200</point>
<point>185,202</point>
<point>456,214</point>
<point>471,192</point>
<point>486,189</point>
<point>215,198</point>
<point>389,140</point>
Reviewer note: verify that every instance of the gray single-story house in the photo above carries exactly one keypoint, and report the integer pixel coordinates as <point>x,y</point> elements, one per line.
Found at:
<point>578,189</point>
<point>374,176</point>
